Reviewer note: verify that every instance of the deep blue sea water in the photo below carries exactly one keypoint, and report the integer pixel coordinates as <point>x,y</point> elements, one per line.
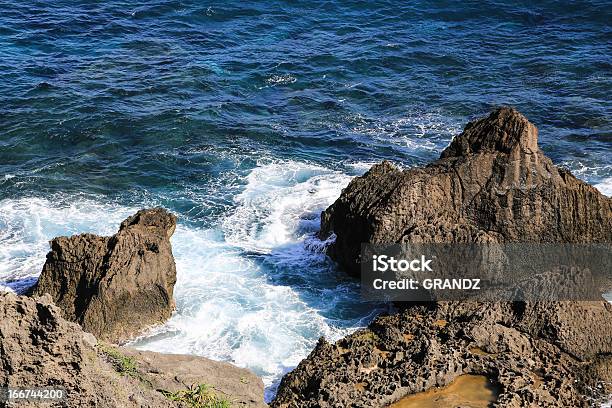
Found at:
<point>247,119</point>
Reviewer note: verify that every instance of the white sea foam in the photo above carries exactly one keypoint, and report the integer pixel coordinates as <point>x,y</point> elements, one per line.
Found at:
<point>359,168</point>
<point>605,186</point>
<point>235,300</point>
<point>228,310</point>
<point>592,173</point>
<point>281,204</point>
<point>246,321</point>
<point>281,79</point>
<point>415,131</point>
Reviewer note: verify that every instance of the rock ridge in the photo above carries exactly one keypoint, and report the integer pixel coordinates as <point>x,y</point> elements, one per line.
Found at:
<point>504,130</point>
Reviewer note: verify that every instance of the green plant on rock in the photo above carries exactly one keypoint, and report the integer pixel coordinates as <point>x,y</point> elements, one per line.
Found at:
<point>367,335</point>
<point>198,396</point>
<point>123,364</point>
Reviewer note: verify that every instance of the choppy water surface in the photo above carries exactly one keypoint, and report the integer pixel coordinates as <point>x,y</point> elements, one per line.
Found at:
<point>248,119</point>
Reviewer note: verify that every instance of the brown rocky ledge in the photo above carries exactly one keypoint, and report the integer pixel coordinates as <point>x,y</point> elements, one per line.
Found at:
<point>114,287</point>
<point>38,348</point>
<point>492,184</point>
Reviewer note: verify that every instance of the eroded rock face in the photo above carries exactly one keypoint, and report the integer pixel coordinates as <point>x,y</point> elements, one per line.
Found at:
<point>38,348</point>
<point>534,351</point>
<point>116,286</point>
<point>491,184</point>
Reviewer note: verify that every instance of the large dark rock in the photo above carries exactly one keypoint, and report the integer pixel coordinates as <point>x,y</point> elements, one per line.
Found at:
<point>492,184</point>
<point>39,348</point>
<point>116,286</point>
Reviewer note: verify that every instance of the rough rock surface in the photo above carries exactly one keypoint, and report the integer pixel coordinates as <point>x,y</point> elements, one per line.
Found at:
<point>536,352</point>
<point>492,184</point>
<point>116,286</point>
<point>38,348</point>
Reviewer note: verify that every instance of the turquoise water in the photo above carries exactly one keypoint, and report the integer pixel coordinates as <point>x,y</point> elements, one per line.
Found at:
<point>247,119</point>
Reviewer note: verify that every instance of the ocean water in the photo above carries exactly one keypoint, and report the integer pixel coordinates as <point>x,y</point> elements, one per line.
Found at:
<point>247,119</point>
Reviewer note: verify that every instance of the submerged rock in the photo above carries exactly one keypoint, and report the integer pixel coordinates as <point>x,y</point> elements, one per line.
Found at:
<point>41,349</point>
<point>116,286</point>
<point>491,184</point>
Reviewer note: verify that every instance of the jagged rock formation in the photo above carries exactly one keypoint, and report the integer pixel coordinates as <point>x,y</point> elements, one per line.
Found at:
<point>492,184</point>
<point>38,348</point>
<point>116,286</point>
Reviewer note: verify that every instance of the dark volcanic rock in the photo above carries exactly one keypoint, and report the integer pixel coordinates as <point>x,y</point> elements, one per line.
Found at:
<point>114,286</point>
<point>38,348</point>
<point>492,184</point>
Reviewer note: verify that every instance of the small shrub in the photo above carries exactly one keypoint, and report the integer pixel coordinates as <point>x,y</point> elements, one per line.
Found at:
<point>198,396</point>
